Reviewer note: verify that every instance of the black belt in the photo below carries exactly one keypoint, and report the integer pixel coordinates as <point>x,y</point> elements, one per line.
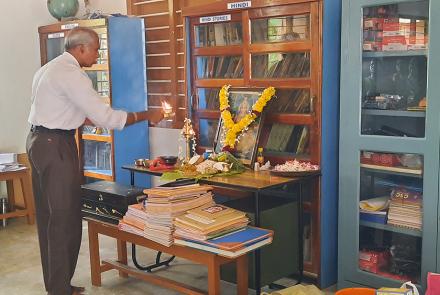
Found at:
<point>57,131</point>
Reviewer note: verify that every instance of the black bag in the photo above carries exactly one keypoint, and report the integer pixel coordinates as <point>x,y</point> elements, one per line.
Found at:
<point>108,201</point>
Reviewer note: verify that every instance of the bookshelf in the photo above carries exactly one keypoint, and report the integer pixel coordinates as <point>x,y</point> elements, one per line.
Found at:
<point>275,44</point>
<point>120,79</point>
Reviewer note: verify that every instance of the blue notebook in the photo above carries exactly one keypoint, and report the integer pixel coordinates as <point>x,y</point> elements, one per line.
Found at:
<point>236,240</point>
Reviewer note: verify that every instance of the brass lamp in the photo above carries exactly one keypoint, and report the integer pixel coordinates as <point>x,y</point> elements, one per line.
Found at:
<point>188,134</point>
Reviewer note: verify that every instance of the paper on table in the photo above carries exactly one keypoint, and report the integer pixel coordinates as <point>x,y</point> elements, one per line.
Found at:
<point>11,167</point>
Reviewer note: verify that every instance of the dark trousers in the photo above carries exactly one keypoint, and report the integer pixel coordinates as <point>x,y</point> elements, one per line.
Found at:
<point>56,185</point>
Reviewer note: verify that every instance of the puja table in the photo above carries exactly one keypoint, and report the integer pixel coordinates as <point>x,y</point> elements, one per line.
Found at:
<point>211,260</point>
<point>255,183</point>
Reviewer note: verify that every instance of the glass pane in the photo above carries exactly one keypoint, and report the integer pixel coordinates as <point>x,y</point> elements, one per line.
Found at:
<point>208,98</point>
<point>93,130</point>
<point>219,67</point>
<point>291,101</point>
<point>55,47</point>
<point>97,157</point>
<point>220,34</point>
<point>208,131</point>
<point>391,214</point>
<point>281,65</point>
<point>288,139</point>
<point>103,57</point>
<point>100,82</point>
<point>281,29</point>
<point>394,69</point>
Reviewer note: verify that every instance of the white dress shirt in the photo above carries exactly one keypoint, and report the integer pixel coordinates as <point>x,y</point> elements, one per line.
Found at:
<point>63,97</point>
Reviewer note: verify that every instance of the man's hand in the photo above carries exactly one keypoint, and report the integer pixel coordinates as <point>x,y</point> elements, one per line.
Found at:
<point>154,116</point>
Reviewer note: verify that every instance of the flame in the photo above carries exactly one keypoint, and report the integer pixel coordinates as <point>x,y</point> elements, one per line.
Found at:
<point>166,106</point>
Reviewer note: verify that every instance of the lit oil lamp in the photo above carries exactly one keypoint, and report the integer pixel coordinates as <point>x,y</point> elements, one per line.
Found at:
<point>167,111</point>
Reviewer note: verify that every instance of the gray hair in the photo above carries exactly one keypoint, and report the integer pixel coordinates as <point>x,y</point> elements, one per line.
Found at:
<point>80,36</point>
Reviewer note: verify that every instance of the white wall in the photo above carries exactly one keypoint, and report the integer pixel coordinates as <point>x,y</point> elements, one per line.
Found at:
<point>20,58</point>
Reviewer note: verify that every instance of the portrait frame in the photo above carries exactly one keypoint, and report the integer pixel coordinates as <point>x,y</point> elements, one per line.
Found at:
<point>241,101</point>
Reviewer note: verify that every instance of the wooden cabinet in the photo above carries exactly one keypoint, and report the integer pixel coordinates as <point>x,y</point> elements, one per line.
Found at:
<point>120,78</point>
<point>252,45</point>
<point>389,143</point>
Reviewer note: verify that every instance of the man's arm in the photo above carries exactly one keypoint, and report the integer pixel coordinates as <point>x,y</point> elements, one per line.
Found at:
<point>153,116</point>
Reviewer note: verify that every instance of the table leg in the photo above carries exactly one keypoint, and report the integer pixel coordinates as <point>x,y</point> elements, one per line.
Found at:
<point>300,234</point>
<point>242,275</point>
<point>27,198</point>
<point>131,177</point>
<point>11,193</point>
<point>122,255</point>
<point>257,253</point>
<point>95,263</point>
<point>213,276</point>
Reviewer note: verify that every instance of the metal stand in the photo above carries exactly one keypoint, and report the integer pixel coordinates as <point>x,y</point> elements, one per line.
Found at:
<point>149,268</point>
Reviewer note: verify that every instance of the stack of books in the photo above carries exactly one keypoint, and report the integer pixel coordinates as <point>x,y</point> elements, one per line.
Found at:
<point>219,229</point>
<point>209,221</point>
<point>155,218</point>
<point>406,209</point>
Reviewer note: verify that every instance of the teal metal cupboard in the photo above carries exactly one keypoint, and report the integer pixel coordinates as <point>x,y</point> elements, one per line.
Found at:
<point>120,79</point>
<point>389,142</point>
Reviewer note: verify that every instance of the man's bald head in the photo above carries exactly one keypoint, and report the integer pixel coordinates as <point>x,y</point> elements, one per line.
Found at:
<point>80,36</point>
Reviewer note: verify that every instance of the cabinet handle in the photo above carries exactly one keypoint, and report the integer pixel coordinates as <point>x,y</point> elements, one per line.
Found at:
<point>312,104</point>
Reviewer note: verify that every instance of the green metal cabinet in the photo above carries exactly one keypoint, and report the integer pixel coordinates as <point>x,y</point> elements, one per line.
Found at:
<point>389,142</point>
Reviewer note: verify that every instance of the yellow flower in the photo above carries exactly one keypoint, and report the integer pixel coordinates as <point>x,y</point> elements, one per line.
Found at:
<point>233,129</point>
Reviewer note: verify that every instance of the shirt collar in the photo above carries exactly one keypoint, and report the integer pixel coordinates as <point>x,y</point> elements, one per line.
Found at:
<point>70,59</point>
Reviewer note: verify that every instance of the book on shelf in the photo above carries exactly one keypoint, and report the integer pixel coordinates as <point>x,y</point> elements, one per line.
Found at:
<point>373,216</point>
<point>279,136</point>
<point>225,253</point>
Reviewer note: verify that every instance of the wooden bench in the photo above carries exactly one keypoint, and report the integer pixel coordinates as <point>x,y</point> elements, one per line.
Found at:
<point>211,260</point>
<point>22,177</point>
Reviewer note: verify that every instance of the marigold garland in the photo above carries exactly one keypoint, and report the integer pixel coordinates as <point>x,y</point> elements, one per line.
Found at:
<point>233,129</point>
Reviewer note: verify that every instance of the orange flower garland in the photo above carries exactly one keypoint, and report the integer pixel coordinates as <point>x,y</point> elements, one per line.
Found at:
<point>233,129</point>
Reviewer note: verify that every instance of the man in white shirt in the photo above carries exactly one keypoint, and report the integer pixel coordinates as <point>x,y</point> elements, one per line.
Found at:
<point>63,98</point>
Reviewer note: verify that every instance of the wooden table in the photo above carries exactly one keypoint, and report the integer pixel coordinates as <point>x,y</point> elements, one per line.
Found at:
<point>211,260</point>
<point>28,210</point>
<point>255,183</point>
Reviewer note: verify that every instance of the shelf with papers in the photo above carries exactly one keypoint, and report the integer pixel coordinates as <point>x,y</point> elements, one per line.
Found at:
<point>99,174</point>
<point>394,113</point>
<point>395,53</point>
<point>95,137</point>
<point>97,67</point>
<point>404,171</point>
<point>396,229</point>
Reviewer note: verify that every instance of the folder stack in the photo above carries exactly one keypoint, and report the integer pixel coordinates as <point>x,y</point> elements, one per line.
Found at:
<point>154,219</point>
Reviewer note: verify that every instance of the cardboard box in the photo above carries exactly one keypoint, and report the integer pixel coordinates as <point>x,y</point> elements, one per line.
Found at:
<point>394,291</point>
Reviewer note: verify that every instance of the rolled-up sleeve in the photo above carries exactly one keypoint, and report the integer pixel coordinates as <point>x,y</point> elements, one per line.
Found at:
<point>79,90</point>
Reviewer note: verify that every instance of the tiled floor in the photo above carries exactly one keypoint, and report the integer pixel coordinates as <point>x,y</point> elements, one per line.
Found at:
<point>20,270</point>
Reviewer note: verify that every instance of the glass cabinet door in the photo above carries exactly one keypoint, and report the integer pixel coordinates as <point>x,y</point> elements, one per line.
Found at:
<point>390,215</point>
<point>389,142</point>
<point>394,69</point>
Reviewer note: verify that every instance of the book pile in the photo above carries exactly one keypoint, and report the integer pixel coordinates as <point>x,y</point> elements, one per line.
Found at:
<point>219,229</point>
<point>154,220</point>
<point>406,209</point>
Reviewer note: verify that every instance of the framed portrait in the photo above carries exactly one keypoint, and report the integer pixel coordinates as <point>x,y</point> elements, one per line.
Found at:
<point>241,102</point>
